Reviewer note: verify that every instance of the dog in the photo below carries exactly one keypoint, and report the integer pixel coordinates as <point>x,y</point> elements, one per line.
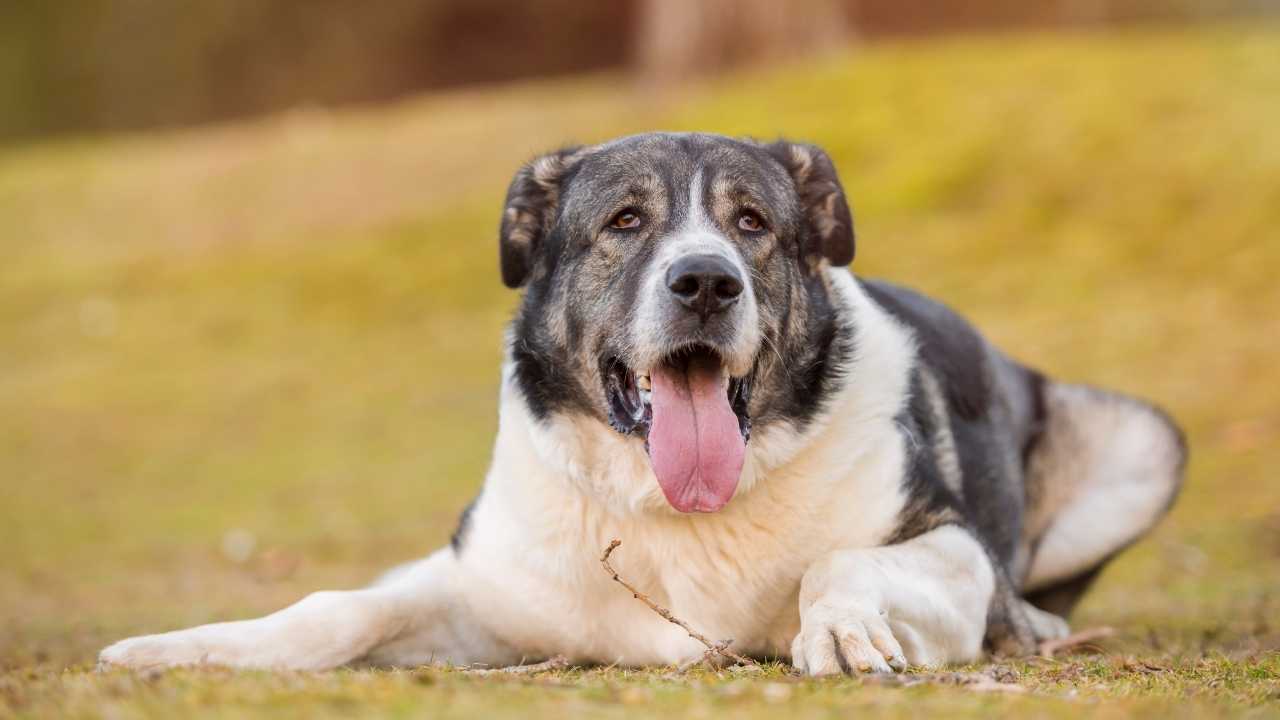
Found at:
<point>828,470</point>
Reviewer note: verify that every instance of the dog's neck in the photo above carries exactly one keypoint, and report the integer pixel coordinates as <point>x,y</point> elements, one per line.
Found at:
<point>577,465</point>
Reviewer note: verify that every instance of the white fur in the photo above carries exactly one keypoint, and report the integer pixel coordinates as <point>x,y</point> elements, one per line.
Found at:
<point>812,511</point>
<point>922,602</point>
<point>1113,466</point>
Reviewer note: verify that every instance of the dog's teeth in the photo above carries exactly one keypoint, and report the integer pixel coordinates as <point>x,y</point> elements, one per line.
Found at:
<point>643,383</point>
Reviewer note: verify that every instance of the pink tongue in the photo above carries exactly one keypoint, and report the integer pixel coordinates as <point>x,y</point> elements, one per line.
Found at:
<point>694,442</point>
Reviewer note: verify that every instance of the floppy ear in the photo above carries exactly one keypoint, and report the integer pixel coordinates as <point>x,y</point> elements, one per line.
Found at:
<point>528,213</point>
<point>828,230</point>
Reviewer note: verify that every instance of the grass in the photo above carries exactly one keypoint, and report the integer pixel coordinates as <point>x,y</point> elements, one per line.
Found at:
<point>244,362</point>
<point>1102,688</point>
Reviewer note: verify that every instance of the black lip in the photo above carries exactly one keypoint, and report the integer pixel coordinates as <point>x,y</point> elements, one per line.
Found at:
<point>739,398</point>
<point>629,414</point>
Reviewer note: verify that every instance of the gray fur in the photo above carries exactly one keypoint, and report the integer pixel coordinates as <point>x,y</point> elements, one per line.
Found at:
<point>583,282</point>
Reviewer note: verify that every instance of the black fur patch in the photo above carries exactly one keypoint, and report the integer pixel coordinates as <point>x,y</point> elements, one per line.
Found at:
<point>1035,390</point>
<point>992,483</point>
<point>459,537</point>
<point>948,344</point>
<point>990,462</point>
<point>812,363</point>
<point>930,504</point>
<point>541,370</point>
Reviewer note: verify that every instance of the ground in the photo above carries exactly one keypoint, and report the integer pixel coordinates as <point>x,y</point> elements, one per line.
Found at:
<point>243,362</point>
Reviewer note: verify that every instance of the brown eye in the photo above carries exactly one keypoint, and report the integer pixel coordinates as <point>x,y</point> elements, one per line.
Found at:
<point>750,222</point>
<point>625,220</point>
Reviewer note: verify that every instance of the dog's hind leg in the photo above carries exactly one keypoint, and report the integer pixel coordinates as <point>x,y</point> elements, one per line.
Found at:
<point>1104,469</point>
<point>415,617</point>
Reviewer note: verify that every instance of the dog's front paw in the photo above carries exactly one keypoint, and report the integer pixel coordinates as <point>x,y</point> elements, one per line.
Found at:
<point>149,652</point>
<point>845,637</point>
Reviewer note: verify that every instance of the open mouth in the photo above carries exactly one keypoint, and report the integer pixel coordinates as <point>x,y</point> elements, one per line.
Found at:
<point>693,416</point>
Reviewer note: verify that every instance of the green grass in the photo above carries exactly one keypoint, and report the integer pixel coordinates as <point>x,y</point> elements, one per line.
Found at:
<point>1103,688</point>
<point>290,327</point>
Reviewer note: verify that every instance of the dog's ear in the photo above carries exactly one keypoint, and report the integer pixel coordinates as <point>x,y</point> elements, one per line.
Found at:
<point>828,227</point>
<point>529,211</point>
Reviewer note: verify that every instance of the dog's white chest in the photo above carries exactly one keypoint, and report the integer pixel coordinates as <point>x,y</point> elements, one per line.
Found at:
<point>560,491</point>
<point>733,575</point>
<point>561,600</point>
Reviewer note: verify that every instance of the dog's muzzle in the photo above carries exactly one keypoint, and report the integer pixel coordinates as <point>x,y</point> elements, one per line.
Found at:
<point>685,403</point>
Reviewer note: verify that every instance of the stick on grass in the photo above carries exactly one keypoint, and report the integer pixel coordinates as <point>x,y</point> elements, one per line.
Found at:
<point>1085,637</point>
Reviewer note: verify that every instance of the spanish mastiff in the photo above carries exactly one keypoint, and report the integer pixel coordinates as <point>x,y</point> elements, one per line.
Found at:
<point>830,470</point>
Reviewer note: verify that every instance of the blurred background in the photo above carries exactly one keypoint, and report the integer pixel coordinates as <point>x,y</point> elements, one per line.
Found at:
<point>93,65</point>
<point>250,312</point>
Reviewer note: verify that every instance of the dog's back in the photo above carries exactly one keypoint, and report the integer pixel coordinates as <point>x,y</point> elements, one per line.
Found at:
<point>1056,478</point>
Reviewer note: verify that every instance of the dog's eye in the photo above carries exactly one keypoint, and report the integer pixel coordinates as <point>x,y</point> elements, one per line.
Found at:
<point>750,222</point>
<point>626,220</point>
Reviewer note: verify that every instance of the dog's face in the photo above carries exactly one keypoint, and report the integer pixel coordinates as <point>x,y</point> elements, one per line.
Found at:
<point>673,289</point>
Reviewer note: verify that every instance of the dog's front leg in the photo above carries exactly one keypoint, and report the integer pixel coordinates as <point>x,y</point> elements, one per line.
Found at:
<point>414,617</point>
<point>921,602</point>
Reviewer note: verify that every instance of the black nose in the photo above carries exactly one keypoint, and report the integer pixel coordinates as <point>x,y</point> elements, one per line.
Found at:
<point>706,284</point>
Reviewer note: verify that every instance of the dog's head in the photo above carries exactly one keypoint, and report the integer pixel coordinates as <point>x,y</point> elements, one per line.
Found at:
<point>674,290</point>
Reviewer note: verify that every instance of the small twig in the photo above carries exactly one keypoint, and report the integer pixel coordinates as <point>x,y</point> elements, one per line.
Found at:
<point>721,649</point>
<point>559,662</point>
<point>1049,647</point>
<point>708,657</point>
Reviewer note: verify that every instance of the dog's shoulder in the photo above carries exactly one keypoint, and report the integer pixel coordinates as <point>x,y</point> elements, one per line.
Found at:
<point>969,413</point>
<point>947,345</point>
